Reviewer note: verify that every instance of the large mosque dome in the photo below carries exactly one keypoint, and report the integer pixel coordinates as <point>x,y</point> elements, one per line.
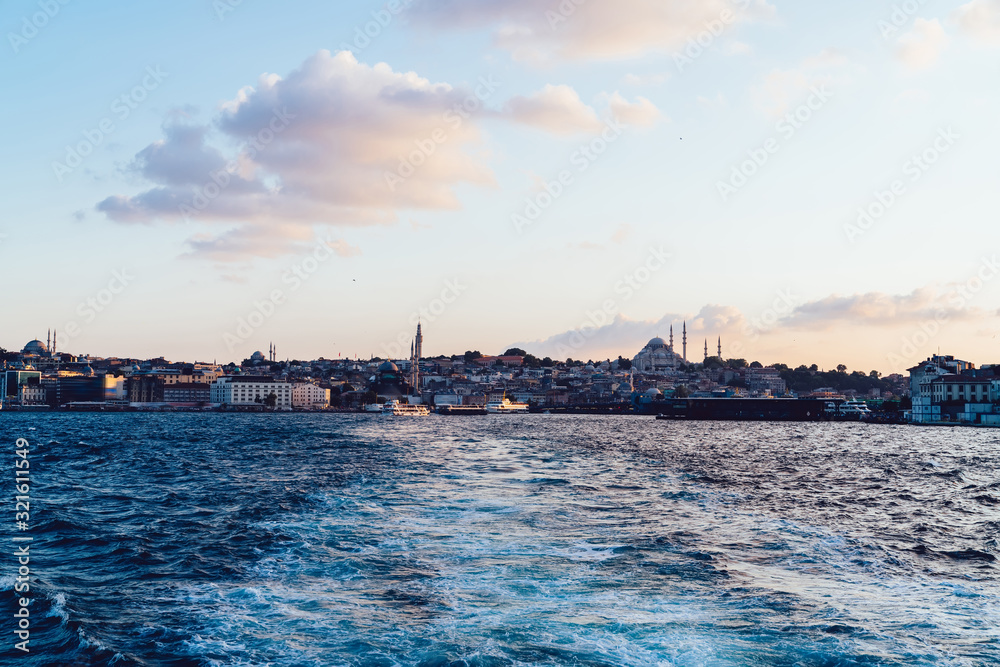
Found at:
<point>36,347</point>
<point>658,356</point>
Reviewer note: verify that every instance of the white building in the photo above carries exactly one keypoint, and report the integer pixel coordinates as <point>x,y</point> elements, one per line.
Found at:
<point>306,395</point>
<point>236,390</point>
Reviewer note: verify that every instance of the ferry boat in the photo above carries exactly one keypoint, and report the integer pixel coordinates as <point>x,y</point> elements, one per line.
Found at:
<point>848,410</point>
<point>405,409</point>
<point>505,406</point>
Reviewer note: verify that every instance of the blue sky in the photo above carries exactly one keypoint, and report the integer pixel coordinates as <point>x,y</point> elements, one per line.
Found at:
<point>778,265</point>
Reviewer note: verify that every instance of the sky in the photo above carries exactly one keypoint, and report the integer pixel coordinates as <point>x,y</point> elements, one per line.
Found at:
<point>811,182</point>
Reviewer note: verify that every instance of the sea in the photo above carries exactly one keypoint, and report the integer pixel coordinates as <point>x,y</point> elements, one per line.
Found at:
<point>336,539</point>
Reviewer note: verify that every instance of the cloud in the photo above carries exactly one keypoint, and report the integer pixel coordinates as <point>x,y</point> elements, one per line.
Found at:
<point>556,109</point>
<point>334,142</point>
<point>921,47</point>
<point>981,20</point>
<point>543,30</point>
<point>559,110</point>
<point>880,309</point>
<point>782,89</point>
<point>626,337</point>
<point>769,332</point>
<point>641,113</point>
<point>622,232</point>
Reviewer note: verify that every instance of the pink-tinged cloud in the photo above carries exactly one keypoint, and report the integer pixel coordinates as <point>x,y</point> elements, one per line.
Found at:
<point>335,142</point>
<point>540,30</point>
<point>981,20</point>
<point>555,109</point>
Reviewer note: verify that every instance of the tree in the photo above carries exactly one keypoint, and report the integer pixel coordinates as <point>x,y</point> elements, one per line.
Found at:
<point>471,356</point>
<point>814,368</point>
<point>756,364</point>
<point>713,362</point>
<point>875,375</point>
<point>736,363</point>
<point>515,352</point>
<point>624,364</point>
<point>841,368</point>
<point>272,400</point>
<point>681,391</point>
<point>547,362</point>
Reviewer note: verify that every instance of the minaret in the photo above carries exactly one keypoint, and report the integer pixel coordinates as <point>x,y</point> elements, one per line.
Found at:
<point>416,351</point>
<point>54,344</point>
<point>671,337</point>
<point>48,343</point>
<point>684,340</point>
<point>720,347</point>
<point>706,349</point>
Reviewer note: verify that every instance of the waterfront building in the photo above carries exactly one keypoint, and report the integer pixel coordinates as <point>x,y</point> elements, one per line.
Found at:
<point>187,393</point>
<point>251,390</point>
<point>306,395</point>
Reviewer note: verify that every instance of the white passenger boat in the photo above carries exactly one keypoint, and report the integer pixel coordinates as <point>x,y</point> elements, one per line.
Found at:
<point>398,409</point>
<point>505,406</point>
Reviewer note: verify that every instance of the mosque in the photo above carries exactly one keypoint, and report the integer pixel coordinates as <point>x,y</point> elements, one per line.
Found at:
<point>659,356</point>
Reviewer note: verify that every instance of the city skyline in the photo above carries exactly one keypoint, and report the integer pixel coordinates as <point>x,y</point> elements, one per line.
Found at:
<point>511,174</point>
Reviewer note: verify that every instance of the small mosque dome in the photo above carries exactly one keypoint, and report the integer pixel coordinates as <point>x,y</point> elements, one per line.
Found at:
<point>656,342</point>
<point>257,356</point>
<point>388,367</point>
<point>653,392</point>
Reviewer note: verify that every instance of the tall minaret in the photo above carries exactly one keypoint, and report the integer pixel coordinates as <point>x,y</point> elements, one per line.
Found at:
<point>48,343</point>
<point>416,351</point>
<point>671,337</point>
<point>720,347</point>
<point>684,340</point>
<point>54,344</point>
<point>706,349</point>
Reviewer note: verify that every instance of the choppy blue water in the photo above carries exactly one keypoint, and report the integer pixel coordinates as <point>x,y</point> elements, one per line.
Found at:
<point>367,540</point>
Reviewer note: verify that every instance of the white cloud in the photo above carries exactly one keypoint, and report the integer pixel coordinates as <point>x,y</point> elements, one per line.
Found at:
<point>324,139</point>
<point>981,20</point>
<point>921,47</point>
<point>594,29</point>
<point>641,113</point>
<point>556,109</point>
